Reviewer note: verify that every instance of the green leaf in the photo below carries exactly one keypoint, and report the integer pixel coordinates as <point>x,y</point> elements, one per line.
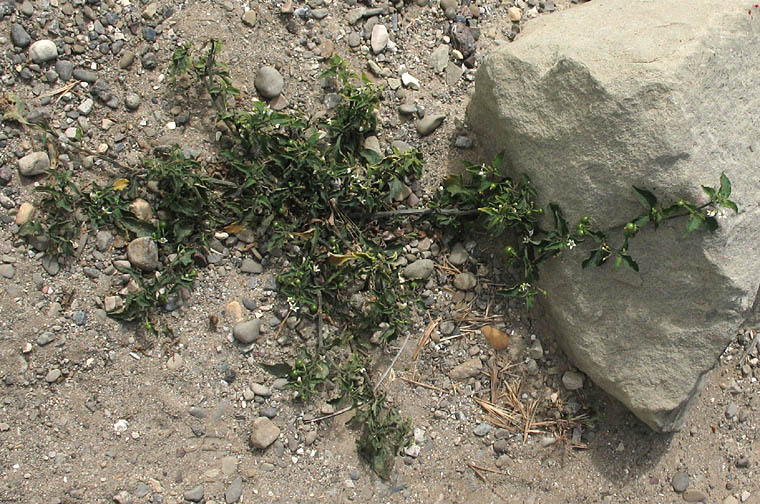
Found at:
<point>560,224</point>
<point>396,187</point>
<point>138,227</point>
<point>618,261</point>
<point>670,211</point>
<point>29,228</point>
<point>693,224</point>
<point>530,302</point>
<point>710,192</point>
<point>322,370</point>
<point>598,236</point>
<point>631,263</point>
<point>454,186</point>
<point>372,157</point>
<point>646,198</point>
<point>595,259</point>
<point>711,224</point>
<point>641,220</point>
<point>281,370</point>
<point>182,230</point>
<point>725,187</point>
<point>498,161</point>
<point>730,204</point>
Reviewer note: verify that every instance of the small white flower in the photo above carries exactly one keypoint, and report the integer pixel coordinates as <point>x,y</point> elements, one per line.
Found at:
<point>292,304</point>
<point>315,268</point>
<point>712,212</point>
<point>571,244</point>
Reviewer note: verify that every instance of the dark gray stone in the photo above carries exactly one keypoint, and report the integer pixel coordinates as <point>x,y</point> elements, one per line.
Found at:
<point>234,491</point>
<point>83,75</point>
<point>19,36</point>
<point>419,270</point>
<point>195,495</point>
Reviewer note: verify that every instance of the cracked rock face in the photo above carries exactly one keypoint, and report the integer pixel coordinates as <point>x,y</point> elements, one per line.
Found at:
<point>596,99</point>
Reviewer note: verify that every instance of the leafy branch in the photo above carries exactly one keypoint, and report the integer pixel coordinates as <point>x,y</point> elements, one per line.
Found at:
<point>509,205</point>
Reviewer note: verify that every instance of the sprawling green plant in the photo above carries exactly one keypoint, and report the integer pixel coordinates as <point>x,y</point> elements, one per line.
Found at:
<point>326,206</point>
<point>509,206</point>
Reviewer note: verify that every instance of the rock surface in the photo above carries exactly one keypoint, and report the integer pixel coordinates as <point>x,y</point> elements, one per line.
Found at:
<point>33,164</point>
<point>42,51</point>
<point>623,105</point>
<point>268,82</point>
<point>143,253</point>
<point>263,433</point>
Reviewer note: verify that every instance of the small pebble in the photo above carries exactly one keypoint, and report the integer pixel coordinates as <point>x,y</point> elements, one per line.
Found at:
<point>692,495</point>
<point>680,482</point>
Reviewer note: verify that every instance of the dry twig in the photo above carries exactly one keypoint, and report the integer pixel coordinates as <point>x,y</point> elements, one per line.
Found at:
<point>425,337</point>
<point>425,385</point>
<point>751,346</point>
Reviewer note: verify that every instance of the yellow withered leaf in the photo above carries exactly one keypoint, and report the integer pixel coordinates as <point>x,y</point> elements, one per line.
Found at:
<point>496,338</point>
<point>120,184</point>
<point>339,259</point>
<point>303,234</point>
<point>233,228</point>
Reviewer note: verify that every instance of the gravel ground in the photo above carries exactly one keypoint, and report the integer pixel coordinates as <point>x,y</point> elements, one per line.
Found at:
<point>90,411</point>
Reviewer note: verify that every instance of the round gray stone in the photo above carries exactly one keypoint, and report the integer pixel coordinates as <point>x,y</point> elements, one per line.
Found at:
<point>43,50</point>
<point>251,266</point>
<point>195,495</point>
<point>732,410</point>
<point>45,338</point>
<point>429,124</point>
<point>482,429</point>
<point>53,375</point>
<point>572,380</point>
<point>103,240</point>
<point>64,69</point>
<point>680,482</point>
<point>268,82</point>
<point>692,495</point>
<point>132,101</point>
<point>465,281</point>
<point>247,332</point>
<point>7,270</point>
<point>249,18</point>
<point>458,255</point>
<point>143,253</point>
<point>419,269</point>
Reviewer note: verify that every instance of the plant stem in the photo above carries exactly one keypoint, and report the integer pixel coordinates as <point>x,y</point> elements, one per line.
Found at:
<point>423,211</point>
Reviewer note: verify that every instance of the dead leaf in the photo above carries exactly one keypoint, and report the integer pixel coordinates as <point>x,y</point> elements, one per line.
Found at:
<point>233,228</point>
<point>496,338</point>
<point>303,234</point>
<point>120,184</point>
<point>339,259</point>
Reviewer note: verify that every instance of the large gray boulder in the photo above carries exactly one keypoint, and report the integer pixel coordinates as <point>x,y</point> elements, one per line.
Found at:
<point>614,93</point>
